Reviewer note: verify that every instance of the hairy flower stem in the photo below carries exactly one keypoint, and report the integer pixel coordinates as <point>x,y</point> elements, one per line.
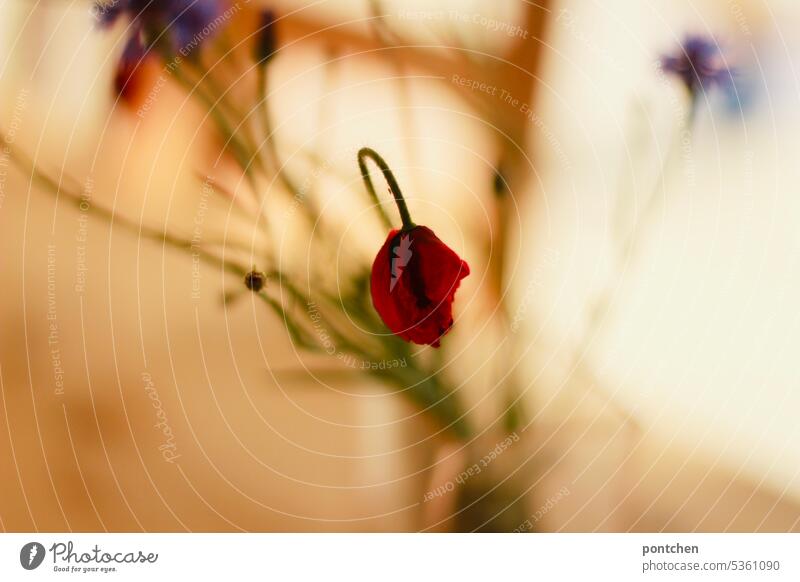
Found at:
<point>113,218</point>
<point>629,245</point>
<point>627,248</point>
<point>232,140</point>
<point>405,216</point>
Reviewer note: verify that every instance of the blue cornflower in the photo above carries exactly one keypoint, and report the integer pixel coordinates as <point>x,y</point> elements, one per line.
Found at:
<point>180,21</point>
<point>180,25</point>
<point>175,25</point>
<point>699,64</point>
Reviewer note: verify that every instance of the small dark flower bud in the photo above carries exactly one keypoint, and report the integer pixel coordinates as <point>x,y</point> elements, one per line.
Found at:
<point>265,38</point>
<point>255,281</point>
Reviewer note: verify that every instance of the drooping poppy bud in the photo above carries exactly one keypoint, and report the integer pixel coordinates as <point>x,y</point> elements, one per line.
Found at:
<point>415,275</point>
<point>414,281</point>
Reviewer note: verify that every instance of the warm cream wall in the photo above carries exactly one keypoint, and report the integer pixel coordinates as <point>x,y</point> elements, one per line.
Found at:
<point>260,453</point>
<point>700,342</point>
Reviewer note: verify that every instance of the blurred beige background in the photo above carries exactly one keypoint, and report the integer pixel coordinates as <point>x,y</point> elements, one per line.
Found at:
<point>678,416</point>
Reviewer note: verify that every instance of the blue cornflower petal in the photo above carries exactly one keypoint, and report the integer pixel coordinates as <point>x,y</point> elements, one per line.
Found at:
<point>699,64</point>
<point>108,13</point>
<point>190,22</point>
<point>183,23</point>
<point>176,25</point>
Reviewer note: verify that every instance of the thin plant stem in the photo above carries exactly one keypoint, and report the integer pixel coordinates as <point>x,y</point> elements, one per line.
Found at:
<point>626,249</point>
<point>394,188</point>
<point>116,218</point>
<point>232,140</point>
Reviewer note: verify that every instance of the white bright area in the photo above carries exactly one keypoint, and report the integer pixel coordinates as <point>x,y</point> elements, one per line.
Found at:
<point>702,336</point>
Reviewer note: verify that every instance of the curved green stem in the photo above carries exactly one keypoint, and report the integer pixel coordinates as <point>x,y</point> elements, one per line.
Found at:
<point>365,153</point>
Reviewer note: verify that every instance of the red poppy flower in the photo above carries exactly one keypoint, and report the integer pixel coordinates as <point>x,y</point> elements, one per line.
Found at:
<point>135,73</point>
<point>414,280</point>
<point>128,82</point>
